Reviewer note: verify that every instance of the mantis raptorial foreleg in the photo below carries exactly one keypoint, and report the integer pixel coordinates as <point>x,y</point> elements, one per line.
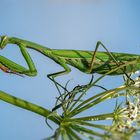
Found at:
<point>3,68</point>
<point>7,70</point>
<point>32,70</point>
<point>11,67</point>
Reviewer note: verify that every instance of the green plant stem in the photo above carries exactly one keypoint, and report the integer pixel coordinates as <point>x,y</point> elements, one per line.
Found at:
<point>96,117</point>
<point>28,106</point>
<point>85,123</point>
<point>83,130</point>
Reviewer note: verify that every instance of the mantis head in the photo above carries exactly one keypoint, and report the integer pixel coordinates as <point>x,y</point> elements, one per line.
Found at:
<point>3,41</point>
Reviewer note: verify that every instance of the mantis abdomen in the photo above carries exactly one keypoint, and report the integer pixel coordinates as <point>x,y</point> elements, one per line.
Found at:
<point>103,62</point>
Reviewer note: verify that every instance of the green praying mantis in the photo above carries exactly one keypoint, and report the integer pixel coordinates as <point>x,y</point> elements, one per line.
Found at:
<point>86,61</point>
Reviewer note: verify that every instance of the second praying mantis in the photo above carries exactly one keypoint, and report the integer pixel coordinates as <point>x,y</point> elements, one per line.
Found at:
<point>86,61</point>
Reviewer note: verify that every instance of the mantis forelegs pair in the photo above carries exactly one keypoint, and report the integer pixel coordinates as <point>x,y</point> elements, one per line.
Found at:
<point>86,61</point>
<point>11,67</point>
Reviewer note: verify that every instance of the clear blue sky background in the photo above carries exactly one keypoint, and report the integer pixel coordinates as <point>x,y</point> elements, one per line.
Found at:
<point>61,24</point>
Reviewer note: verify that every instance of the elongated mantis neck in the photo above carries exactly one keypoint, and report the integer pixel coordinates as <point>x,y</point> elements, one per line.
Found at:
<point>27,44</point>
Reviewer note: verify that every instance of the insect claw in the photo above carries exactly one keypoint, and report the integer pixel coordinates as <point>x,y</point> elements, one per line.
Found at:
<point>7,70</point>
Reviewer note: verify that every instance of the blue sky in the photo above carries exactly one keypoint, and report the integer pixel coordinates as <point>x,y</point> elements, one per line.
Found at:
<point>76,24</point>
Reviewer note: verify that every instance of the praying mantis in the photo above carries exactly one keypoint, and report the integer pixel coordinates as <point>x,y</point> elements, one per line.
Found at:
<point>86,61</point>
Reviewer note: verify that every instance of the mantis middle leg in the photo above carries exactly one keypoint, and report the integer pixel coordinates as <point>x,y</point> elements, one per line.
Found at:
<point>54,75</point>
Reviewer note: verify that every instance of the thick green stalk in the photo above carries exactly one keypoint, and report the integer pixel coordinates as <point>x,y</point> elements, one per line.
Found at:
<point>28,106</point>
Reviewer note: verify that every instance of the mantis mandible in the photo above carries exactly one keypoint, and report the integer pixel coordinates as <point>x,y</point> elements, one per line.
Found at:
<point>86,61</point>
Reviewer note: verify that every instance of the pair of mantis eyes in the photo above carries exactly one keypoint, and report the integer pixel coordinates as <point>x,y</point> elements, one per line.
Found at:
<point>3,41</point>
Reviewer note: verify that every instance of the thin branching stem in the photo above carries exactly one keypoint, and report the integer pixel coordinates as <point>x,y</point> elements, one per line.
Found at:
<point>103,96</point>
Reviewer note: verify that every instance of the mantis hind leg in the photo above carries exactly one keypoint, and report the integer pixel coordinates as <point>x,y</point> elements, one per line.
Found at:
<point>109,53</point>
<point>9,66</point>
<point>94,54</point>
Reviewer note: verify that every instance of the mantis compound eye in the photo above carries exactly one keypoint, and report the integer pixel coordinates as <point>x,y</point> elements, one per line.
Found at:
<point>3,41</point>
